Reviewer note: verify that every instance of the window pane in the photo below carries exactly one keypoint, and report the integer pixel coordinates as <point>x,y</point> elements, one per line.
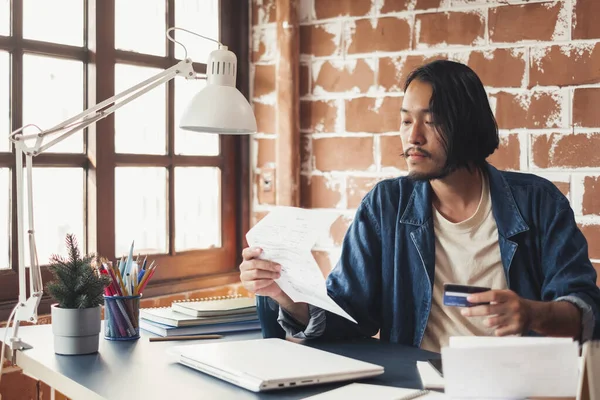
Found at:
<point>141,210</point>
<point>4,17</point>
<point>199,16</point>
<point>4,217</point>
<point>4,100</point>
<point>186,142</point>
<point>51,22</point>
<point>45,80</point>
<point>141,28</point>
<point>140,126</point>
<point>58,203</point>
<point>197,208</point>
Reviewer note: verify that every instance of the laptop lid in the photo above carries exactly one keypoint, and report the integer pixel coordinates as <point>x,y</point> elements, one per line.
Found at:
<point>267,364</point>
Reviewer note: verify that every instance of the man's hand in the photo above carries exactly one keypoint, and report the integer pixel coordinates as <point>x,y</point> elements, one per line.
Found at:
<point>507,313</point>
<point>258,276</point>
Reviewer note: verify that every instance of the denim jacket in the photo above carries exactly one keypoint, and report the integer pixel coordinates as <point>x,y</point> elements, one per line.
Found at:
<point>385,274</point>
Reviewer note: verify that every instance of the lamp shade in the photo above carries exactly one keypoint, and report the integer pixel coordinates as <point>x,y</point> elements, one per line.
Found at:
<point>219,107</point>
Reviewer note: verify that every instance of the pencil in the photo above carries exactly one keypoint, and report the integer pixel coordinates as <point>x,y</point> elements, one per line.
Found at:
<point>150,273</point>
<point>188,337</point>
<point>145,277</point>
<point>120,278</point>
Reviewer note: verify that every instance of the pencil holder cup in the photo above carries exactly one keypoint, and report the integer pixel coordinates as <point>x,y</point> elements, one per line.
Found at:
<point>122,317</point>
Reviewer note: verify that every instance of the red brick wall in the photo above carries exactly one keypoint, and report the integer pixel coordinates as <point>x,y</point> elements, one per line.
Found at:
<point>539,60</point>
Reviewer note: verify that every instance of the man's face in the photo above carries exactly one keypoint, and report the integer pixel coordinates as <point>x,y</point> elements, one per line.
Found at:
<point>424,152</point>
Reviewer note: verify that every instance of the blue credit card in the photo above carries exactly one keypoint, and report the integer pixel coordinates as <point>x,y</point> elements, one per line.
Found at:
<point>456,295</point>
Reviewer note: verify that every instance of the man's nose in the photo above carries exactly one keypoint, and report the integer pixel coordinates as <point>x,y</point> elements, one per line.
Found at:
<point>416,135</point>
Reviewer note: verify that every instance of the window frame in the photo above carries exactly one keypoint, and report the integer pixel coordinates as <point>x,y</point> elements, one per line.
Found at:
<point>179,271</point>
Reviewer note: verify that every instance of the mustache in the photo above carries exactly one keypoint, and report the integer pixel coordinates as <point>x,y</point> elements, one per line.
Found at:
<point>415,150</point>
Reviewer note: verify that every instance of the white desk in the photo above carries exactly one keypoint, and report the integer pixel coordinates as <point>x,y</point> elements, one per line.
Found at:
<point>121,369</point>
<point>133,370</point>
<point>142,370</point>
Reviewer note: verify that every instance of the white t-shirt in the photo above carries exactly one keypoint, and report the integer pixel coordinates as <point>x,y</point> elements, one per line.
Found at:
<point>466,253</point>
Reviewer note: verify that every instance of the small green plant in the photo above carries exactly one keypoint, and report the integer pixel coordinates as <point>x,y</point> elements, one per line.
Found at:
<point>77,282</point>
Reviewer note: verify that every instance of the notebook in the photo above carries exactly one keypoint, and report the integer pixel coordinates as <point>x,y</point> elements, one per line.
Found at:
<point>166,330</point>
<point>166,316</point>
<point>213,306</point>
<point>589,386</point>
<point>367,391</point>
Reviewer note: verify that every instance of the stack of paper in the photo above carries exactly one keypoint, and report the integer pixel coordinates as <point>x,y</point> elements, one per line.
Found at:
<point>510,367</point>
<point>286,236</point>
<point>368,391</point>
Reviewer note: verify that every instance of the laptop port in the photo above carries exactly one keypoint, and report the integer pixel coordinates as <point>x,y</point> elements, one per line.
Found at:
<point>306,381</point>
<point>292,383</point>
<point>280,385</point>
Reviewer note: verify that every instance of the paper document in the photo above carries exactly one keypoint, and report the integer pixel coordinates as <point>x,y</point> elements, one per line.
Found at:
<point>430,378</point>
<point>286,236</point>
<point>368,391</point>
<point>479,341</point>
<point>511,367</point>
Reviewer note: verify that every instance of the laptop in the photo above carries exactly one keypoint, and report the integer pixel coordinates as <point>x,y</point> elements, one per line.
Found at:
<point>268,364</point>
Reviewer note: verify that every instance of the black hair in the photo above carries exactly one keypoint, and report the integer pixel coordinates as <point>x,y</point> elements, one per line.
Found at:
<point>461,112</point>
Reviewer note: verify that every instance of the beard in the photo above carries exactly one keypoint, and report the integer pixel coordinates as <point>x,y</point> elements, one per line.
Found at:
<point>428,176</point>
<point>440,173</point>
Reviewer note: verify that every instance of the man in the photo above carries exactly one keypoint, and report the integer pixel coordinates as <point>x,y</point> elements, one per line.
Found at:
<point>454,219</point>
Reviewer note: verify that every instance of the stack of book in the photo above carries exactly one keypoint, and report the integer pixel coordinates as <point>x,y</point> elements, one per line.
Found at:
<point>201,316</point>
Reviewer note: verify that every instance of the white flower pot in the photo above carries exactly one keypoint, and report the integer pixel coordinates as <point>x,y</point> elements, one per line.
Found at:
<point>76,330</point>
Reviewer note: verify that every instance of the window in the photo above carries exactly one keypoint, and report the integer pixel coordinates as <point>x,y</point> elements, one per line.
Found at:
<point>4,17</point>
<point>139,126</point>
<point>45,78</point>
<point>43,20</point>
<point>60,210</point>
<point>4,99</point>
<point>134,176</point>
<point>4,217</point>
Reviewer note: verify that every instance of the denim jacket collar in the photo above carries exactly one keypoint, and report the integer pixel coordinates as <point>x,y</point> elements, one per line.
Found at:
<point>508,218</point>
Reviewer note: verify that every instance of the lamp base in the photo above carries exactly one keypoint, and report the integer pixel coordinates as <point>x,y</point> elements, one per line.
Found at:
<point>17,344</point>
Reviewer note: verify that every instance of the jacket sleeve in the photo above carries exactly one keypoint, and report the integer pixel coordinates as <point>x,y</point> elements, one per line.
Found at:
<point>568,272</point>
<point>355,282</point>
<point>314,328</point>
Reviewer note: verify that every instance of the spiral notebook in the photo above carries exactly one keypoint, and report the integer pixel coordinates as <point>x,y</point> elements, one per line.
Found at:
<point>216,306</point>
<point>166,316</point>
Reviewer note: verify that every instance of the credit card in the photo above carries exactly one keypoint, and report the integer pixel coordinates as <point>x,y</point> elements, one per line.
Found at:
<point>456,295</point>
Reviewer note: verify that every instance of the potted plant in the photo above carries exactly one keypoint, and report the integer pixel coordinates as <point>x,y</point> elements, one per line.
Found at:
<point>78,288</point>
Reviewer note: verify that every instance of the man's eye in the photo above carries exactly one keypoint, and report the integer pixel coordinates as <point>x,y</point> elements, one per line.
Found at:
<point>406,122</point>
<point>429,123</point>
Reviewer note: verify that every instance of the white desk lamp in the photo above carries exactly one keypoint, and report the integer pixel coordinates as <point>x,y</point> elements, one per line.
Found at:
<point>218,108</point>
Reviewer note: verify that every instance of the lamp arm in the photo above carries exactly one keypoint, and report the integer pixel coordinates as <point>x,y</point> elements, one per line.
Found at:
<point>102,110</point>
<point>26,308</point>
